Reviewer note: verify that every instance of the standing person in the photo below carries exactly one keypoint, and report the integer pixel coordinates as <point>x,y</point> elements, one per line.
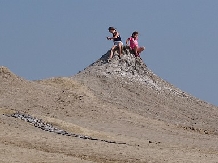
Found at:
<point>133,43</point>
<point>117,42</point>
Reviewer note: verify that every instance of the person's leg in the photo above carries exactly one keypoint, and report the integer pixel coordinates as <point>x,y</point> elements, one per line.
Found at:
<point>112,51</point>
<point>140,49</point>
<point>136,51</point>
<point>120,45</point>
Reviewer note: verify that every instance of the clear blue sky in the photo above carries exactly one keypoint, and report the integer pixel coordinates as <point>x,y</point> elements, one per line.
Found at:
<point>48,38</point>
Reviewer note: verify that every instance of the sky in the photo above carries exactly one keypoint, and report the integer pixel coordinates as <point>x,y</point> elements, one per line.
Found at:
<point>50,38</point>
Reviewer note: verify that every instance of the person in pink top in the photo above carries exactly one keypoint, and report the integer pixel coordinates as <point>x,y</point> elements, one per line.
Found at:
<point>133,43</point>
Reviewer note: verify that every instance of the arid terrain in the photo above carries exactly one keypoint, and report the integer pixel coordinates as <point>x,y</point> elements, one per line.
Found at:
<point>115,112</point>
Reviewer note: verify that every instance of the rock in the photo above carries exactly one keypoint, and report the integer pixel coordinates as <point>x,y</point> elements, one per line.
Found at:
<point>49,127</point>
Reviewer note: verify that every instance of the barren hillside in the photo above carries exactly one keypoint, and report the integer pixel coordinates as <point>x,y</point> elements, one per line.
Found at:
<point>110,112</point>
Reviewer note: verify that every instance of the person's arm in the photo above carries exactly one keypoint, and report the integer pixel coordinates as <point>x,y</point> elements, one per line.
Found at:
<point>127,41</point>
<point>111,38</point>
<point>116,35</point>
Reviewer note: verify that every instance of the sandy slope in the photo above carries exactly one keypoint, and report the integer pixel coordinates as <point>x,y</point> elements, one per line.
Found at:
<point>157,125</point>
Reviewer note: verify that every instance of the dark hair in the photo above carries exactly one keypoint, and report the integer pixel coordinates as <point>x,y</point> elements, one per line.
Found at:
<point>111,28</point>
<point>134,33</point>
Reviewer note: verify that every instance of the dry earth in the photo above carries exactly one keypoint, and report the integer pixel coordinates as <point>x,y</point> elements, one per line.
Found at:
<point>123,101</point>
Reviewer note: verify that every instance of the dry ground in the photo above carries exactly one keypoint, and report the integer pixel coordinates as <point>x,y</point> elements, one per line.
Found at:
<point>156,127</point>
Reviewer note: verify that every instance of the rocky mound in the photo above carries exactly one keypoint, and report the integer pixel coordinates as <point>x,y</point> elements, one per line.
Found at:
<point>110,112</point>
<point>130,84</point>
<point>7,76</point>
<point>132,69</point>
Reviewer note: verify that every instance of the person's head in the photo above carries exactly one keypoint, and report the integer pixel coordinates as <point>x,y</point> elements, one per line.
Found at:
<point>111,29</point>
<point>135,34</point>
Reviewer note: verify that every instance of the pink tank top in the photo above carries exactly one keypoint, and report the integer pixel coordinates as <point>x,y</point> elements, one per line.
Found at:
<point>133,42</point>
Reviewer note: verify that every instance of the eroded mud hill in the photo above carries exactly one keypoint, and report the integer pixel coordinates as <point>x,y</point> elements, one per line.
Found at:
<point>110,112</point>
